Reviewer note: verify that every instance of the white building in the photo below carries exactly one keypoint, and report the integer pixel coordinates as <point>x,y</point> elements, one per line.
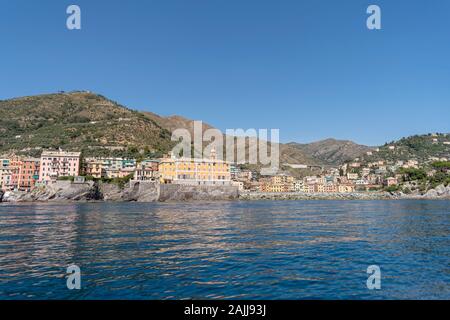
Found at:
<point>298,186</point>
<point>352,176</point>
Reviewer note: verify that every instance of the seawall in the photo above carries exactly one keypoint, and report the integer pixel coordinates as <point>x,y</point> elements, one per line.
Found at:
<point>175,192</point>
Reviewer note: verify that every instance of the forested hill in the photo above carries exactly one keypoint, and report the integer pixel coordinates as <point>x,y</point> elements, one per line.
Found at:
<point>78,121</point>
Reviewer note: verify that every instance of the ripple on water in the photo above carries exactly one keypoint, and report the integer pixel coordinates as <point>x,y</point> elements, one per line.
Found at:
<point>226,250</point>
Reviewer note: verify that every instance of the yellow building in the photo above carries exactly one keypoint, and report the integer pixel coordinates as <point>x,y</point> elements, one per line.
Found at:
<point>343,188</point>
<point>93,167</point>
<point>309,188</point>
<point>194,171</point>
<point>320,188</point>
<point>330,188</point>
<point>280,183</point>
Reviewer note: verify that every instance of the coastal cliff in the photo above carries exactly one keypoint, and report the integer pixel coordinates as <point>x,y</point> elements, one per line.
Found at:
<point>439,192</point>
<point>60,191</point>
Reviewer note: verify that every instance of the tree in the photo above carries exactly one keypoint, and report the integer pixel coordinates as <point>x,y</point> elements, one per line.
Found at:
<point>412,174</point>
<point>442,166</point>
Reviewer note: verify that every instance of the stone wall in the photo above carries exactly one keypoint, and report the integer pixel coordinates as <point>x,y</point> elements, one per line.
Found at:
<point>176,192</point>
<point>140,191</point>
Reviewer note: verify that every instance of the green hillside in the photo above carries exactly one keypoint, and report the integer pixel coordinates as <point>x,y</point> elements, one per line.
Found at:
<point>97,126</point>
<point>418,147</point>
<point>78,121</point>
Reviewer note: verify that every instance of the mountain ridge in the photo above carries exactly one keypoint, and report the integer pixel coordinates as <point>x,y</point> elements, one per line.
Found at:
<point>332,151</point>
<point>98,126</point>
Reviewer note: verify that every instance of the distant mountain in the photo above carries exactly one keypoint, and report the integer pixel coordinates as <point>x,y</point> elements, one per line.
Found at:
<point>172,123</point>
<point>288,154</point>
<point>95,125</point>
<point>331,151</point>
<point>101,127</point>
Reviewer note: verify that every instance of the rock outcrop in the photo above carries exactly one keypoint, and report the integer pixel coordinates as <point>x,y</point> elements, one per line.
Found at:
<point>59,191</point>
<point>438,193</point>
<point>139,191</point>
<point>89,191</point>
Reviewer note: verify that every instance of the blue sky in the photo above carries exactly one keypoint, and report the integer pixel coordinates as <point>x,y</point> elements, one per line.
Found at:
<point>310,68</point>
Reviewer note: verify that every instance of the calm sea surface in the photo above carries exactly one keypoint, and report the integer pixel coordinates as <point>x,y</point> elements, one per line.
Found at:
<point>227,250</point>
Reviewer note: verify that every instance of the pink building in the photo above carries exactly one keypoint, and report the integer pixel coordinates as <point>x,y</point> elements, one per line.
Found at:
<point>56,164</point>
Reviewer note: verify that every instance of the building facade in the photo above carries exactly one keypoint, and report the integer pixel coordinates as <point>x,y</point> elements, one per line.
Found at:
<point>147,170</point>
<point>5,178</point>
<point>279,183</point>
<point>28,174</point>
<point>109,168</point>
<point>194,171</point>
<point>55,164</point>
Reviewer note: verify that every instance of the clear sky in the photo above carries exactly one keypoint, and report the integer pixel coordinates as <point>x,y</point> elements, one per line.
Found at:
<point>308,67</point>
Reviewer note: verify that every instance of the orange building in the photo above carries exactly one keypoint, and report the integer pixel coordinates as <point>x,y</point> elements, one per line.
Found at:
<point>14,167</point>
<point>28,174</point>
<point>23,174</point>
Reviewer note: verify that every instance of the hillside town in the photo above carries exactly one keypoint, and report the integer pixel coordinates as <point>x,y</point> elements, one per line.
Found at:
<point>24,174</point>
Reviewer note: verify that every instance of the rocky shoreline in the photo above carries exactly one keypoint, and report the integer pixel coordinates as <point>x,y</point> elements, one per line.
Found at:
<point>65,191</point>
<point>136,191</point>
<point>439,193</point>
<point>337,196</point>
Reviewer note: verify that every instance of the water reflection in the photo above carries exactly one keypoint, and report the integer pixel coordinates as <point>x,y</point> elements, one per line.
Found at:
<point>264,250</point>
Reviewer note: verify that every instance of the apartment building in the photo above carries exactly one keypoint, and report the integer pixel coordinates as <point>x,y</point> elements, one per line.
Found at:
<point>298,186</point>
<point>14,166</point>
<point>195,171</point>
<point>352,176</point>
<point>93,167</point>
<point>147,170</point>
<point>109,167</point>
<point>28,174</point>
<point>279,183</point>
<point>343,188</point>
<point>55,164</point>
<point>391,181</point>
<point>5,178</point>
<point>309,188</point>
